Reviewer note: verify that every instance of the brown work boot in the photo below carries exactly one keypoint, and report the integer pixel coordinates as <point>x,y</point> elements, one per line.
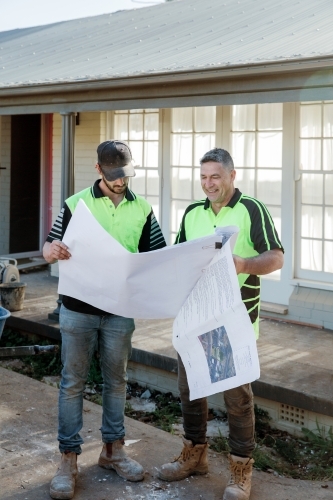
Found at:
<point>192,460</point>
<point>63,484</point>
<point>239,485</point>
<point>113,456</point>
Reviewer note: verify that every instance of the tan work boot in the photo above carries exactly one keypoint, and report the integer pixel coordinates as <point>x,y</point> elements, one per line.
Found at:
<point>239,485</point>
<point>192,460</point>
<point>114,457</point>
<point>63,484</point>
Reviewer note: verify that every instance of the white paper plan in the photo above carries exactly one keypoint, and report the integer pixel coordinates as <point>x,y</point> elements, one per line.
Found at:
<point>150,285</point>
<point>213,333</point>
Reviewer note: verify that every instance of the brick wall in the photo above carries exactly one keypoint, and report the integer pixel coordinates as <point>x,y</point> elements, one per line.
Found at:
<point>307,305</point>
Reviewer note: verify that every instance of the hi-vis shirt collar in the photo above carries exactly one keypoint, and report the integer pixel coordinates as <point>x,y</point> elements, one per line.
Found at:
<point>235,198</point>
<point>97,193</point>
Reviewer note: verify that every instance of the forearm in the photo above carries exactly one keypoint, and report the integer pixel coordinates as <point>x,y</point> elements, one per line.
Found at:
<point>264,263</point>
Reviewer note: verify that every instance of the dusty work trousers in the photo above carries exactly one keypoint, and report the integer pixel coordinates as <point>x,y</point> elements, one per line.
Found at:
<point>240,409</point>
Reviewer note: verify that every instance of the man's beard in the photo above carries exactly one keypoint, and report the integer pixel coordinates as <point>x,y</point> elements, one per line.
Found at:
<point>118,190</point>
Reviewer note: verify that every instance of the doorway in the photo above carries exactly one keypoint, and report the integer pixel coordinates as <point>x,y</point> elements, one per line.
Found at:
<point>25,183</point>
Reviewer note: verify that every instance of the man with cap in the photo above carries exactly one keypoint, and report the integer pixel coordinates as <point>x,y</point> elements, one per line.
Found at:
<point>130,220</point>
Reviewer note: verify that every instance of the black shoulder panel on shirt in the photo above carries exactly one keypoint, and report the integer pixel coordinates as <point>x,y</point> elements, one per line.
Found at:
<point>181,236</point>
<point>262,232</point>
<point>151,236</point>
<point>65,220</point>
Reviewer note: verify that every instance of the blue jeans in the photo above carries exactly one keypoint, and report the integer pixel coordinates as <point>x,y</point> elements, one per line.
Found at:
<point>81,335</point>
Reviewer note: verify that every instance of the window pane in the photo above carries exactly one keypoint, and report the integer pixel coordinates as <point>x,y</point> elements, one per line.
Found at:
<point>181,183</point>
<point>243,117</point>
<point>329,223</point>
<point>311,252</point>
<point>202,144</point>
<point>181,120</point>
<point>136,148</point>
<point>328,154</point>
<point>310,155</point>
<point>177,212</point>
<point>182,149</point>
<point>328,120</point>
<point>198,193</point>
<point>245,180</point>
<point>151,126</point>
<point>151,154</point>
<point>276,216</point>
<point>138,183</point>
<point>154,202</point>
<point>328,257</point>
<point>121,122</point>
<point>136,127</point>
<point>270,116</point>
<point>312,221</point>
<point>329,189</point>
<point>205,119</point>
<point>269,186</point>
<point>312,189</point>
<point>310,121</point>
<point>153,182</point>
<point>243,149</point>
<point>136,110</point>
<point>270,149</point>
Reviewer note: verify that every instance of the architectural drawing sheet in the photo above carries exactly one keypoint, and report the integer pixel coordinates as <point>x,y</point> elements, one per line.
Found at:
<point>213,333</point>
<point>148,285</point>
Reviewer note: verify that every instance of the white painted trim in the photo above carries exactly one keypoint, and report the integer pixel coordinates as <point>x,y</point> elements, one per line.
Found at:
<point>165,148</point>
<point>319,285</point>
<point>109,125</point>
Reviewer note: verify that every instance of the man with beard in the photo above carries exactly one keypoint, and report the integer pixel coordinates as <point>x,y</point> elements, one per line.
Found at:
<point>130,220</point>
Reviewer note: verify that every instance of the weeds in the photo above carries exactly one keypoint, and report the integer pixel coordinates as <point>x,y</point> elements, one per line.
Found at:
<point>34,366</point>
<point>167,410</point>
<point>220,444</point>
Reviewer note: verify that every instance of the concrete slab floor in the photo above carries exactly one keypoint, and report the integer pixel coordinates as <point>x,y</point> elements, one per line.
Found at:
<point>29,456</point>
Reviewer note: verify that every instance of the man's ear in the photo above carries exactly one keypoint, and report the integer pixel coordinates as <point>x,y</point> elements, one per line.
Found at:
<point>98,168</point>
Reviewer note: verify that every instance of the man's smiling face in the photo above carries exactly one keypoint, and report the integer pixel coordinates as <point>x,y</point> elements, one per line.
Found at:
<point>217,182</point>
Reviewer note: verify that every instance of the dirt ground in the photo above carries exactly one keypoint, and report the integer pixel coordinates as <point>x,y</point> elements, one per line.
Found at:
<point>29,455</point>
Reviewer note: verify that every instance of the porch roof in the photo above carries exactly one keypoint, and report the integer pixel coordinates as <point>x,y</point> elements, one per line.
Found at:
<point>174,41</point>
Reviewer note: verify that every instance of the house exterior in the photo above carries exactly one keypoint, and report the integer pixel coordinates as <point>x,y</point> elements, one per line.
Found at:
<point>175,80</point>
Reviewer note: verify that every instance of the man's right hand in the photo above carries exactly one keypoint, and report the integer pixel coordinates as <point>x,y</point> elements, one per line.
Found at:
<point>57,250</point>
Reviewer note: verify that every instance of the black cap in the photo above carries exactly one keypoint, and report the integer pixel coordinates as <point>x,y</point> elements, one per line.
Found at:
<point>115,159</point>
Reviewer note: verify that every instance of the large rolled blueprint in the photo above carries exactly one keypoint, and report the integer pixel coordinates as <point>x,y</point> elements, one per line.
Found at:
<point>151,285</point>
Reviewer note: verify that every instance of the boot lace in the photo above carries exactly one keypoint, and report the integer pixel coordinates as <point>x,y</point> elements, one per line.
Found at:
<point>184,456</point>
<point>239,473</point>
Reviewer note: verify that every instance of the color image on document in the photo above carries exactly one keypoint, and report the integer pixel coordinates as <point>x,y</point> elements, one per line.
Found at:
<point>218,354</point>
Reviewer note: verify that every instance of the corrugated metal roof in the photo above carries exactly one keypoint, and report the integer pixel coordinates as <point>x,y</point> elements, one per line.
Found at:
<point>178,36</point>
